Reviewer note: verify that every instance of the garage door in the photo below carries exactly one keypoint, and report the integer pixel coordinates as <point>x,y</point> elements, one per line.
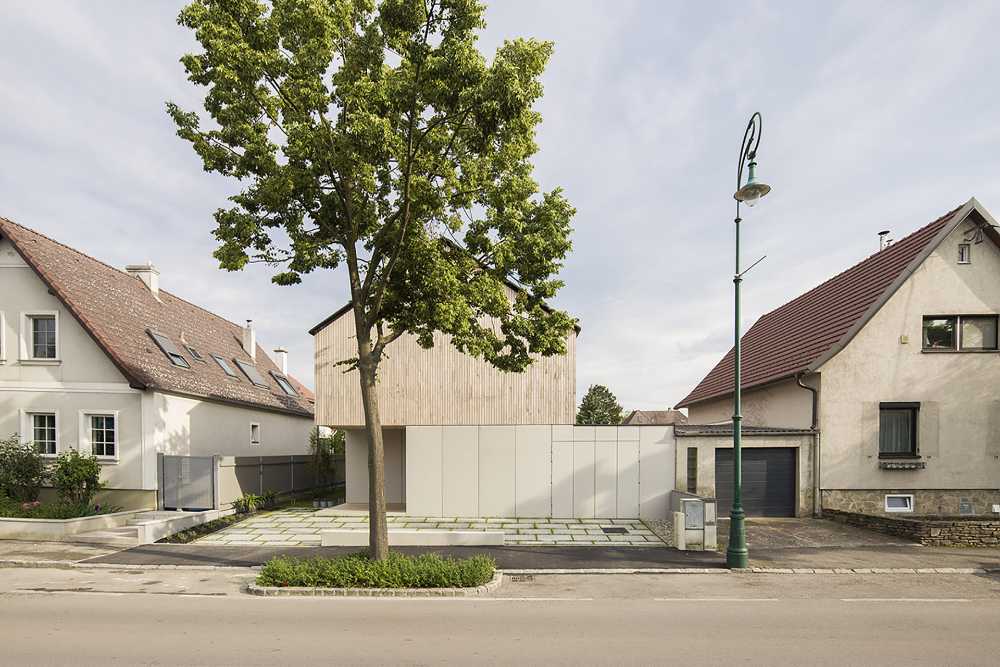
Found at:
<point>768,481</point>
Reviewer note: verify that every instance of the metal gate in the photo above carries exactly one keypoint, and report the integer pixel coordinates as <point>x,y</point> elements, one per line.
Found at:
<point>188,482</point>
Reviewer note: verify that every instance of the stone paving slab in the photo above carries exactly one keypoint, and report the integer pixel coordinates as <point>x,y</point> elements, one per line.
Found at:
<point>301,527</point>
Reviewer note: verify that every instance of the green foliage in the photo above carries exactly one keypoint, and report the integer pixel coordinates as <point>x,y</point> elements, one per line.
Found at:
<point>77,477</point>
<point>269,498</point>
<point>396,571</point>
<point>194,532</point>
<point>325,451</point>
<point>377,136</point>
<point>58,510</point>
<point>248,503</point>
<point>22,470</point>
<point>599,406</point>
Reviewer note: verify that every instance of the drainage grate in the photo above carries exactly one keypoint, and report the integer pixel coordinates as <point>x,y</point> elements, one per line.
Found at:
<point>614,530</point>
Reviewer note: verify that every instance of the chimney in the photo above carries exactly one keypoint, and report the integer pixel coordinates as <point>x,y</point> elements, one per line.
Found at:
<point>148,274</point>
<point>282,355</point>
<point>883,240</point>
<point>250,340</point>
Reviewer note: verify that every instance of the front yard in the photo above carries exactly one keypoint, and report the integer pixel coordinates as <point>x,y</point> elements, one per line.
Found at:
<point>301,527</point>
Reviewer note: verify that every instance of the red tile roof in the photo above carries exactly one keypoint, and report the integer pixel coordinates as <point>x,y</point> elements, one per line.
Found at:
<point>807,331</point>
<point>654,418</point>
<point>117,310</point>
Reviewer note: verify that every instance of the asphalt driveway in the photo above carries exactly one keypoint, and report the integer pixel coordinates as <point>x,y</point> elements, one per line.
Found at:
<point>806,533</point>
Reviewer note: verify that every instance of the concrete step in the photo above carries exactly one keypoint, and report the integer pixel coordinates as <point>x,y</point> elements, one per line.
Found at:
<point>125,536</point>
<point>146,518</point>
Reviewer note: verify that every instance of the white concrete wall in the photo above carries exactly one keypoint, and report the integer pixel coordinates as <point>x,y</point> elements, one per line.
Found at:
<point>538,471</point>
<point>356,465</point>
<point>959,393</point>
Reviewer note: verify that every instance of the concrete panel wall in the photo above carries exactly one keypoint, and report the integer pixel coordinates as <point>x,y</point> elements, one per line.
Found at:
<point>356,464</point>
<point>496,471</point>
<point>533,468</point>
<point>537,471</point>
<point>460,466</point>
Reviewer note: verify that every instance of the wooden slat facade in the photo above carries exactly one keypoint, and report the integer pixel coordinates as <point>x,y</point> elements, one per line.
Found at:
<point>440,386</point>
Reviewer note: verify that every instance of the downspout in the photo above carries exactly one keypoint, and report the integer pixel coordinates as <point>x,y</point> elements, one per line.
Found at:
<point>814,425</point>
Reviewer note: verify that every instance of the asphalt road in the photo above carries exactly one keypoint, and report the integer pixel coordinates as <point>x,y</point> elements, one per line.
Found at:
<point>198,618</point>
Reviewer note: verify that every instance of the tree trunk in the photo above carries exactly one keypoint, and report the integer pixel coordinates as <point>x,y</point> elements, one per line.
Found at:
<point>378,536</point>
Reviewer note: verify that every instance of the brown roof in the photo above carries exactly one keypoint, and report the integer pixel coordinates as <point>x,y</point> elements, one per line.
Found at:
<point>118,310</point>
<point>711,430</point>
<point>654,418</point>
<point>804,333</point>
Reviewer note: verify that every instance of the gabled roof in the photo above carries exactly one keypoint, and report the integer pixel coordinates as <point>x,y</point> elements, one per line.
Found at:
<point>654,418</point>
<point>806,332</point>
<point>117,310</point>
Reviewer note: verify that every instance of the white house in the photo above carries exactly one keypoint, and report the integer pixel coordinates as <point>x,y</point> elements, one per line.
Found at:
<point>887,376</point>
<point>103,360</point>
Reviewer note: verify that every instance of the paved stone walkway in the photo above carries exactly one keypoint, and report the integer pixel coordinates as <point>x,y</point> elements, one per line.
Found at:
<point>301,527</point>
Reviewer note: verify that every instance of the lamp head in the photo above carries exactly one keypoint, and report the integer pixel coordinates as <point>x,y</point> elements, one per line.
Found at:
<point>753,191</point>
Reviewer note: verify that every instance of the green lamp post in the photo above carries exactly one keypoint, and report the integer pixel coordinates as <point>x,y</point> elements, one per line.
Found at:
<point>749,194</point>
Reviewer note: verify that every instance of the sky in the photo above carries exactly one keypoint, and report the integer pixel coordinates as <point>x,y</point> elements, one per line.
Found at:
<point>876,116</point>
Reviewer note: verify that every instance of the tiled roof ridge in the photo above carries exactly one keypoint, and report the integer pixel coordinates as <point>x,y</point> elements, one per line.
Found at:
<point>115,268</point>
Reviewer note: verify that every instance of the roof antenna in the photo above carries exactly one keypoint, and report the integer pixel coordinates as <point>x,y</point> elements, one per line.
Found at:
<point>883,240</point>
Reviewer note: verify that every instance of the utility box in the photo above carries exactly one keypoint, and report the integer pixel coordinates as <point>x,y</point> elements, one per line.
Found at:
<point>694,522</point>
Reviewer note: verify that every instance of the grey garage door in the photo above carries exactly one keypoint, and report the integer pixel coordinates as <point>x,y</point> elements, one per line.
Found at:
<point>768,481</point>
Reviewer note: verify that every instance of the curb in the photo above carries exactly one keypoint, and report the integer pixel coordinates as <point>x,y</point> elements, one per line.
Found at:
<point>289,591</point>
<point>764,570</point>
<point>83,565</point>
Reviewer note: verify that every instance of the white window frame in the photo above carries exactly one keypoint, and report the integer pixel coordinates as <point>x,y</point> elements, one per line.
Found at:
<point>255,428</point>
<point>87,443</point>
<point>968,253</point>
<point>28,429</point>
<point>908,496</point>
<point>27,343</point>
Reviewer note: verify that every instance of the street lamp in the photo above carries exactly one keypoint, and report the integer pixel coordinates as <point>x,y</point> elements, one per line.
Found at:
<point>749,194</point>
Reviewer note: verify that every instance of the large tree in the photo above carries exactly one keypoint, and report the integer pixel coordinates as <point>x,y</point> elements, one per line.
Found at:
<point>599,406</point>
<point>379,139</point>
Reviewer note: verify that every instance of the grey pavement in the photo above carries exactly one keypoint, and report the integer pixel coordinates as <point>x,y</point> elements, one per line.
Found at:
<point>299,526</point>
<point>172,617</point>
<point>507,557</point>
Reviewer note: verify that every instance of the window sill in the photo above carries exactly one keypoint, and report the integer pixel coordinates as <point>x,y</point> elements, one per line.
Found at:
<point>896,457</point>
<point>106,460</point>
<point>40,362</point>
<point>926,351</point>
<point>902,464</point>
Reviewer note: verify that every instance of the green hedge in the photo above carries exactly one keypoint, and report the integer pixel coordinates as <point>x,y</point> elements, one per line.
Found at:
<point>10,508</point>
<point>359,571</point>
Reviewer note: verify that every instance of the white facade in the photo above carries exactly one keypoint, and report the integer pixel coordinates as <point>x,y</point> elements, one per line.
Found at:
<point>522,471</point>
<point>81,381</point>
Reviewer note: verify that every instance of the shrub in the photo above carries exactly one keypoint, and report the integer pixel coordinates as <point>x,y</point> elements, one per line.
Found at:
<point>77,477</point>
<point>247,503</point>
<point>269,498</point>
<point>396,571</point>
<point>22,470</point>
<point>59,510</point>
<point>325,449</point>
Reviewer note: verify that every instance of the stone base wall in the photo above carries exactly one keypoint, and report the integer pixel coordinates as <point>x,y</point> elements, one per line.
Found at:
<point>929,531</point>
<point>926,502</point>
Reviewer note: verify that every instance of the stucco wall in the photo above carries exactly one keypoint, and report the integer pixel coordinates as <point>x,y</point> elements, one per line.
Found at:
<point>783,403</point>
<point>959,393</point>
<point>706,446</point>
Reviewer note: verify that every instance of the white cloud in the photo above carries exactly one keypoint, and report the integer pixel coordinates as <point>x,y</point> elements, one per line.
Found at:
<point>875,117</point>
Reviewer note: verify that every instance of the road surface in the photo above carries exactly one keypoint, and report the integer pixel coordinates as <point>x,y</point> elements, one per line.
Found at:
<point>125,617</point>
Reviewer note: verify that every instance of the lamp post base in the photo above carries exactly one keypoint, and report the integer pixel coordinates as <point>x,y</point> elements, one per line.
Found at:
<point>737,555</point>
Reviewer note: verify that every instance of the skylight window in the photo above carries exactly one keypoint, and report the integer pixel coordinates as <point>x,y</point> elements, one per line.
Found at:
<point>195,354</point>
<point>224,365</point>
<point>169,349</point>
<point>252,373</point>
<point>285,385</point>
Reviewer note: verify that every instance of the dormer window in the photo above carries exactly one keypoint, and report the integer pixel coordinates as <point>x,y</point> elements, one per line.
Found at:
<point>252,373</point>
<point>224,365</point>
<point>169,349</point>
<point>965,253</point>
<point>285,385</point>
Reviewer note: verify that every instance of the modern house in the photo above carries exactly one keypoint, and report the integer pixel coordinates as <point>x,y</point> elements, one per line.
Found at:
<point>465,439</point>
<point>103,360</point>
<point>876,392</point>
